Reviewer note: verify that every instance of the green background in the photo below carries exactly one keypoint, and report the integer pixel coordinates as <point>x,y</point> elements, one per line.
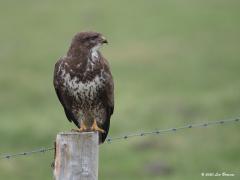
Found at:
<point>174,62</point>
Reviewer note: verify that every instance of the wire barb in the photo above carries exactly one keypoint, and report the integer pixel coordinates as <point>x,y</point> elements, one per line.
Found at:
<point>171,130</point>
<point>125,137</point>
<point>41,150</point>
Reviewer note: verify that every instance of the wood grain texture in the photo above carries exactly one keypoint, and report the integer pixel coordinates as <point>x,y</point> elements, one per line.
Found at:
<point>76,156</point>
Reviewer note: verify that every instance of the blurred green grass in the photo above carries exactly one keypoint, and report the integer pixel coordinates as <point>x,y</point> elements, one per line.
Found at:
<point>174,62</point>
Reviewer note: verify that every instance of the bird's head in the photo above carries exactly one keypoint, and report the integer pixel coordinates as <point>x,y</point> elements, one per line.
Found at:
<point>89,40</point>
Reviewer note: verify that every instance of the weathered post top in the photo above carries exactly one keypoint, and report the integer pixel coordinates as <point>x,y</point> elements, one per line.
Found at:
<point>76,156</point>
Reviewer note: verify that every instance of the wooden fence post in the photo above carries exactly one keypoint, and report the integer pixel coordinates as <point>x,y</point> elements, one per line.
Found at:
<point>76,156</point>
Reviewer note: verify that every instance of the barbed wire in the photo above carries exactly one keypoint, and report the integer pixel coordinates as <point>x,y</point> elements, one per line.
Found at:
<point>125,137</point>
<point>41,150</point>
<point>170,130</point>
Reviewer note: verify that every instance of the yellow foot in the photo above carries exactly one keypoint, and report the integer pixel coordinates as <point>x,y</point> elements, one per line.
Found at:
<point>96,128</point>
<point>82,128</point>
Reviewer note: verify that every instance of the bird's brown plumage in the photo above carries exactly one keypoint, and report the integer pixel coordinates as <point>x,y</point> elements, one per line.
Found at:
<point>84,84</point>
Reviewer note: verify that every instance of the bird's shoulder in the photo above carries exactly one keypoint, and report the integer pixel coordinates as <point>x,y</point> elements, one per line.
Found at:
<point>58,64</point>
<point>65,64</point>
<point>58,68</point>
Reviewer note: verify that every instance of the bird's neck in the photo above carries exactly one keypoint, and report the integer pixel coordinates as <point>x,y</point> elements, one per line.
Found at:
<point>78,52</point>
<point>87,58</point>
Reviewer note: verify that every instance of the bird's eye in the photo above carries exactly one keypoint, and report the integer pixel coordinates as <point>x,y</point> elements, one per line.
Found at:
<point>90,38</point>
<point>94,37</point>
<point>87,39</point>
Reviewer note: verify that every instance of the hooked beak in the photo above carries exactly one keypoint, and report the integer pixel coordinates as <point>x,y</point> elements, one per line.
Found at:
<point>104,40</point>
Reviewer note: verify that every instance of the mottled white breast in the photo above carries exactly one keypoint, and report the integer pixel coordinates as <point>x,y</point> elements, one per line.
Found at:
<point>86,90</point>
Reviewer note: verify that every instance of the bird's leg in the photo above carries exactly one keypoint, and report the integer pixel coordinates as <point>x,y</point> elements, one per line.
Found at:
<point>82,128</point>
<point>96,128</point>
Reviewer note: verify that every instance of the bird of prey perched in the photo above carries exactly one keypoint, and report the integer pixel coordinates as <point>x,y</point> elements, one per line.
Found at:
<point>84,84</point>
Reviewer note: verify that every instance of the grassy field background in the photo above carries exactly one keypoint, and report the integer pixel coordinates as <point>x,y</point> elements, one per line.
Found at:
<point>174,62</point>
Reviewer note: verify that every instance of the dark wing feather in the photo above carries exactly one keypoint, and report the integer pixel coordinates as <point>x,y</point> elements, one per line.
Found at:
<point>108,100</point>
<point>60,95</point>
<point>109,111</point>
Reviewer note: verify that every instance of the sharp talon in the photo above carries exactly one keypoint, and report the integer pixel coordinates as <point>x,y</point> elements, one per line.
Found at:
<point>103,131</point>
<point>96,128</point>
<point>77,130</point>
<point>82,128</point>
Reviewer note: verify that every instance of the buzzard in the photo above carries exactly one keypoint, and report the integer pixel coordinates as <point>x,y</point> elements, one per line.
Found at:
<point>84,84</point>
